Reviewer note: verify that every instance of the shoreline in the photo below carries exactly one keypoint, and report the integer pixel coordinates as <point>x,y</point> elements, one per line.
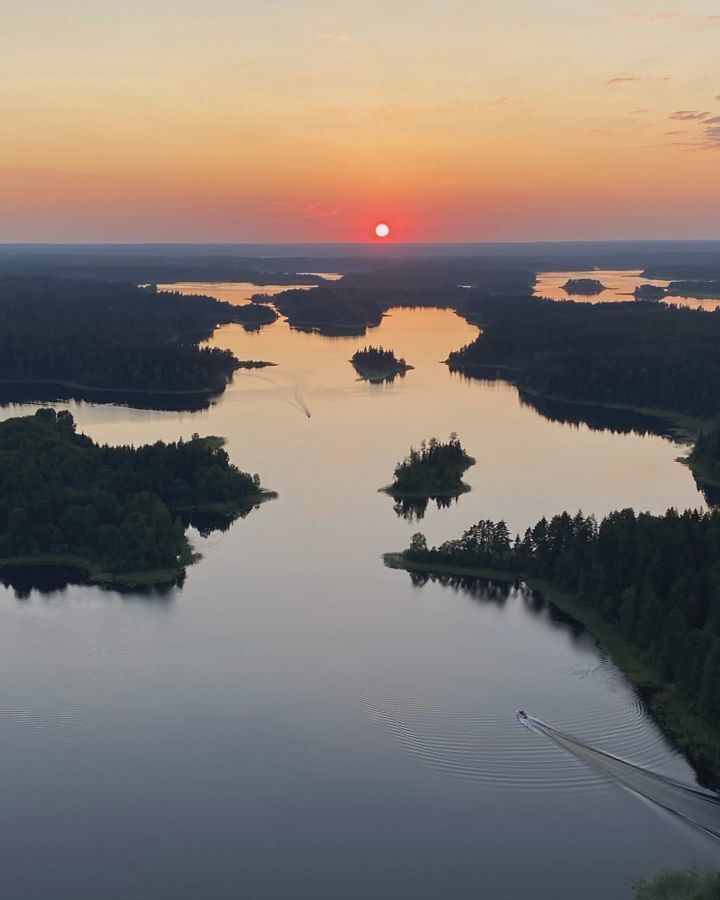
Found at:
<point>95,571</point>
<point>98,574</point>
<point>685,424</point>
<point>698,742</point>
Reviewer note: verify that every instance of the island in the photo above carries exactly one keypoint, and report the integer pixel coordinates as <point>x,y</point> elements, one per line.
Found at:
<point>433,470</point>
<point>115,342</point>
<point>650,292</point>
<point>115,513</point>
<point>585,286</point>
<point>646,586</point>
<point>376,364</point>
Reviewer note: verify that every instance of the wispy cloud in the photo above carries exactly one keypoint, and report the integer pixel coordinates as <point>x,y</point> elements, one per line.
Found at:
<point>714,121</point>
<point>620,80</point>
<point>712,18</point>
<point>334,38</point>
<point>712,137</point>
<point>650,19</point>
<point>689,115</point>
<point>301,211</point>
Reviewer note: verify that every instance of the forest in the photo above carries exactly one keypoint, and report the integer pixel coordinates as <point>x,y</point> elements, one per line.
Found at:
<point>112,509</point>
<point>654,579</point>
<point>115,336</point>
<point>435,468</point>
<point>704,458</point>
<point>643,355</point>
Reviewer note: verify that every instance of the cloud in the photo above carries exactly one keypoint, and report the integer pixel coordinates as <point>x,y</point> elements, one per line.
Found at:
<point>714,121</point>
<point>302,211</point>
<point>712,137</point>
<point>628,79</point>
<point>334,38</point>
<point>712,18</point>
<point>689,115</point>
<point>649,19</point>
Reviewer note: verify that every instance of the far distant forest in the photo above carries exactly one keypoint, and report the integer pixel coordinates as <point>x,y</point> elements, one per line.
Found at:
<point>656,579</point>
<point>110,335</point>
<point>638,354</point>
<point>61,495</point>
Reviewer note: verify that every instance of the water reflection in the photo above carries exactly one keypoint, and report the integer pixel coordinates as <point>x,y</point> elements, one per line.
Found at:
<point>42,392</point>
<point>597,418</point>
<point>50,581</point>
<point>412,509</point>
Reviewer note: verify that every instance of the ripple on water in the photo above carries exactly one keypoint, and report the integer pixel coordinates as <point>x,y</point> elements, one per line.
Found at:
<point>487,747</point>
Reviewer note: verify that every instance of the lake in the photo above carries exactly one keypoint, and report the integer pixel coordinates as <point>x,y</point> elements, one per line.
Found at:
<point>619,286</point>
<point>299,720</point>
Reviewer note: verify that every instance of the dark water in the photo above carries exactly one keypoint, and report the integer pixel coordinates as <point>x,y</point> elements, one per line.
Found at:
<point>297,720</point>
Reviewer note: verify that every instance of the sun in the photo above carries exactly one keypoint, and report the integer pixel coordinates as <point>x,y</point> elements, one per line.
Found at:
<point>382,230</point>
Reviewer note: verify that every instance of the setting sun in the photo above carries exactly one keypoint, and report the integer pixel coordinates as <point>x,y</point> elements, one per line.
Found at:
<point>382,230</point>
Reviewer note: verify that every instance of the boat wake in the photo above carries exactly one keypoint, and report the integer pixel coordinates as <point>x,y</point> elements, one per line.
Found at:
<point>695,805</point>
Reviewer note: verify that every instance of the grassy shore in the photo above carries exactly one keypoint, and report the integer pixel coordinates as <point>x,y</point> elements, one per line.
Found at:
<point>97,572</point>
<point>699,742</point>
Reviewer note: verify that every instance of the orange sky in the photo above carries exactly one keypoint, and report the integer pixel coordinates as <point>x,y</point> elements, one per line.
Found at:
<point>300,121</point>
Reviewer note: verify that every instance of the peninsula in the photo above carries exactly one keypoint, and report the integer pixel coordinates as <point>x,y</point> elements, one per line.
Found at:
<point>112,512</point>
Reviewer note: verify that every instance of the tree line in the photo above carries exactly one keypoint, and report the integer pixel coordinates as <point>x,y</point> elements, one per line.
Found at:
<point>108,335</point>
<point>638,354</point>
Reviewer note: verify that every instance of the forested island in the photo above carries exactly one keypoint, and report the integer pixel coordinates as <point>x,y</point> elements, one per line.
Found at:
<point>378,364</point>
<point>113,512</point>
<point>647,586</point>
<point>646,356</point>
<point>588,286</point>
<point>435,469</point>
<point>114,340</point>
<point>649,292</point>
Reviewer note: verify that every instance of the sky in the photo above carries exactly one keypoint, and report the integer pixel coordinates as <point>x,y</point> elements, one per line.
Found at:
<point>311,120</point>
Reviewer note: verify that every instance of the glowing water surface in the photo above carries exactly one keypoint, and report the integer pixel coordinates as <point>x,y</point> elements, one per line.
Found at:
<point>298,720</point>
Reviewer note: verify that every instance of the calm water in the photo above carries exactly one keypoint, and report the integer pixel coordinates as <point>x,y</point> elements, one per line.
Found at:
<point>619,283</point>
<point>299,721</point>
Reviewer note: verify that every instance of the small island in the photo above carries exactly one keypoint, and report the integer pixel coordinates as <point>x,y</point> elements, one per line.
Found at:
<point>376,364</point>
<point>649,292</point>
<point>434,470</point>
<point>585,286</point>
<point>115,513</point>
